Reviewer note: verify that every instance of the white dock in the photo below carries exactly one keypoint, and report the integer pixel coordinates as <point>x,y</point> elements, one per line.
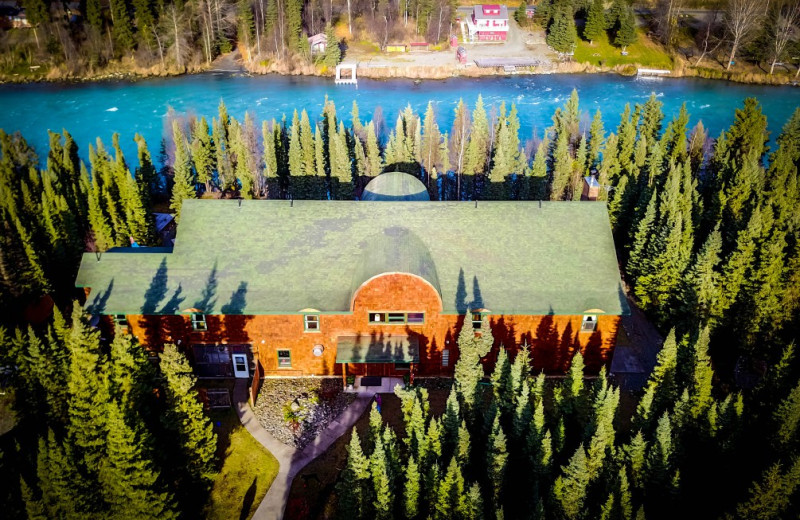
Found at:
<point>352,80</point>
<point>653,72</point>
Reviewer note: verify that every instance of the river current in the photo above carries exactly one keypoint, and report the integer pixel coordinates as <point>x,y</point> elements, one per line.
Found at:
<point>89,110</point>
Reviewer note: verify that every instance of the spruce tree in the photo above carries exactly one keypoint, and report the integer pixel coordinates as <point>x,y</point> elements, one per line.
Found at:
<point>477,149</point>
<point>787,417</point>
<point>299,190</point>
<point>411,489</point>
<point>625,29</point>
<point>203,153</point>
<point>122,28</point>
<point>65,492</point>
<point>307,151</point>
<point>562,168</point>
<point>341,166</point>
<point>701,398</point>
<point>270,158</point>
<point>496,459</point>
<point>468,370</point>
<point>128,478</point>
<point>463,445</point>
<point>450,423</point>
<point>184,416</point>
<point>333,54</point>
<point>772,495</point>
<point>595,21</point>
<point>431,137</point>
<point>184,187</point>
<point>146,175</point>
<point>89,391</point>
<point>384,497</point>
<point>350,487</point>
<point>661,389</point>
<point>562,34</point>
<point>597,136</point>
<point>569,489</point>
<point>374,159</point>
<point>539,189</point>
<point>702,279</point>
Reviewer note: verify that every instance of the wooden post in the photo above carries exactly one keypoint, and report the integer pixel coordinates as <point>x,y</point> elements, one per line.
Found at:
<point>344,376</point>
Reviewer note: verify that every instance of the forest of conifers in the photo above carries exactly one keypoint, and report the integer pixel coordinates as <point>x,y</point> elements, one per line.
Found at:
<point>707,237</point>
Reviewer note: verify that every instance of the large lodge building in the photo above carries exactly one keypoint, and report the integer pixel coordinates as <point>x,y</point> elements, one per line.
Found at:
<point>382,286</point>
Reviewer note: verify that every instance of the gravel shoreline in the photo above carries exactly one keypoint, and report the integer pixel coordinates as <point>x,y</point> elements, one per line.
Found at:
<point>296,410</point>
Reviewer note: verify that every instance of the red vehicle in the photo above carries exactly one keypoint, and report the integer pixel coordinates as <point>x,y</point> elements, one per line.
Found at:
<point>461,55</point>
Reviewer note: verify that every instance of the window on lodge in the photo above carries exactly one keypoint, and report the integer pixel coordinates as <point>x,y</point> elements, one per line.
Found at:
<point>311,322</point>
<point>284,359</point>
<point>199,321</point>
<point>397,318</point>
<point>477,320</point>
<point>120,320</point>
<point>589,323</point>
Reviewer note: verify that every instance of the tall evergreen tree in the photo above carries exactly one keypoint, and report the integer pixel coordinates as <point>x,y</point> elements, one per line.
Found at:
<point>595,21</point>
<point>184,187</point>
<point>562,34</point>
<point>184,416</point>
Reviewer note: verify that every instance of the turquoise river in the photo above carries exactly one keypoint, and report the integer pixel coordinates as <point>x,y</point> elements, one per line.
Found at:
<point>89,110</point>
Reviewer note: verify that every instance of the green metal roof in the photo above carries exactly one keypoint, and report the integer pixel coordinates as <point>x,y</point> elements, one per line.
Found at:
<point>277,257</point>
<point>377,349</point>
<point>395,186</point>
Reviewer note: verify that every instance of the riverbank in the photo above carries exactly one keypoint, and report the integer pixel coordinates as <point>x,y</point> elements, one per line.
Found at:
<point>433,65</point>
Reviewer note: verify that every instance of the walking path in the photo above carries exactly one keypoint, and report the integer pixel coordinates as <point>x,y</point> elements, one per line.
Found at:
<point>291,460</point>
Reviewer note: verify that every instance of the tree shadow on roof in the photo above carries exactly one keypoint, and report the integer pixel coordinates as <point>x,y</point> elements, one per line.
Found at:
<point>234,323</point>
<point>98,305</point>
<point>157,290</point>
<point>207,301</point>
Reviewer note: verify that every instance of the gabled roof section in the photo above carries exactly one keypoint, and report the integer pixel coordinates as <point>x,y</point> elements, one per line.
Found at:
<point>278,257</point>
<point>490,12</point>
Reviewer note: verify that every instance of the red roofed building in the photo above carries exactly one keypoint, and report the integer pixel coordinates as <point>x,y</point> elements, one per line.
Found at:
<point>488,22</point>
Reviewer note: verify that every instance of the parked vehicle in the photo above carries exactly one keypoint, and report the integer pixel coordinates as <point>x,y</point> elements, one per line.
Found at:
<point>461,55</point>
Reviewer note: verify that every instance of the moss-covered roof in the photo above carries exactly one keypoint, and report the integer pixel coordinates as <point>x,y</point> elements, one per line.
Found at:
<point>276,257</point>
<point>395,186</point>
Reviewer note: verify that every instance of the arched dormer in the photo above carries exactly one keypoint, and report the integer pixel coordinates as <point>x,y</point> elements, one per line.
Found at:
<point>394,251</point>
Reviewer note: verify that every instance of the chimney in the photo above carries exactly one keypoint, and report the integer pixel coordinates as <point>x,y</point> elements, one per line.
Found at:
<point>591,188</point>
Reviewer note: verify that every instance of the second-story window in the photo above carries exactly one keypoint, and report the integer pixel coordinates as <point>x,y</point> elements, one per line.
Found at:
<point>199,322</point>
<point>311,322</point>
<point>477,320</point>
<point>397,318</point>
<point>589,323</point>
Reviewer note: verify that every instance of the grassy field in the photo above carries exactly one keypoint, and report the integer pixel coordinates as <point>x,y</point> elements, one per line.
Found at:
<point>248,470</point>
<point>644,52</point>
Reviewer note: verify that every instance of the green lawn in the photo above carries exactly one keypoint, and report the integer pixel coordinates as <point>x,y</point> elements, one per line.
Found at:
<point>248,470</point>
<point>644,52</point>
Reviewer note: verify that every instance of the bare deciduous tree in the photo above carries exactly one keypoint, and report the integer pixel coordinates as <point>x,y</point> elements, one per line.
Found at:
<point>784,28</point>
<point>742,19</point>
<point>666,18</point>
<point>706,37</point>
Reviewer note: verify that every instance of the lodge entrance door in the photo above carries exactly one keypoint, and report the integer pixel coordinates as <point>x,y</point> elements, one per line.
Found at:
<point>240,369</point>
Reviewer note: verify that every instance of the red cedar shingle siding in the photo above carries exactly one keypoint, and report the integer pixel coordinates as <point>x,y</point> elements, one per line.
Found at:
<point>553,339</point>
